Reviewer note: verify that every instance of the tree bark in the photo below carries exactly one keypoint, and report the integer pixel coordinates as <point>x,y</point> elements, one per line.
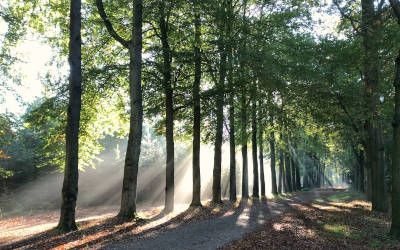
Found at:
<point>256,188</point>
<point>245,177</point>
<point>273,162</point>
<point>169,110</point>
<point>232,144</point>
<point>70,184</point>
<point>129,185</point>
<point>288,172</point>
<point>298,182</point>
<point>293,171</point>
<point>220,120</point>
<point>196,198</point>
<point>395,227</point>
<point>281,185</point>
<point>370,21</point>
<point>261,158</point>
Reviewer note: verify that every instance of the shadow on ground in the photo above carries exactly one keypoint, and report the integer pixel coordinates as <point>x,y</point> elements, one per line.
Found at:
<point>102,232</point>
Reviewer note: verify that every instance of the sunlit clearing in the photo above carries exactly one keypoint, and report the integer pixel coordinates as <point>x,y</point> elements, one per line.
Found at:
<point>328,208</point>
<point>100,187</point>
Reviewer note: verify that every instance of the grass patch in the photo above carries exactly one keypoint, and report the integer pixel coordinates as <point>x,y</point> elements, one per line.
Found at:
<point>338,230</point>
<point>345,196</point>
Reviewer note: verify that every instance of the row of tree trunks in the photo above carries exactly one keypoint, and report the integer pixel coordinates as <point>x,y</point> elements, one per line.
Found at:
<point>134,46</point>
<point>314,173</point>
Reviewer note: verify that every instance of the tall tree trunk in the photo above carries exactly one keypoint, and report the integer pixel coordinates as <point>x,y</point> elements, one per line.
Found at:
<point>281,185</point>
<point>70,184</point>
<point>196,108</point>
<point>288,172</point>
<point>256,189</point>
<point>273,162</point>
<point>368,177</point>
<point>245,177</point>
<point>232,146</point>
<point>298,182</point>
<point>293,171</point>
<point>220,120</point>
<point>131,167</point>
<point>395,227</point>
<point>169,110</point>
<point>244,117</point>
<point>129,185</point>
<point>261,157</point>
<point>370,21</point>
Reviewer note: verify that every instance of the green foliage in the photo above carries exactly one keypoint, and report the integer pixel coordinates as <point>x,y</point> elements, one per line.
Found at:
<point>310,84</point>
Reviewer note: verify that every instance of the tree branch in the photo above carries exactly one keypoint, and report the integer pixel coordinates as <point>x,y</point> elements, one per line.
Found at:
<point>346,16</point>
<point>353,124</point>
<point>108,24</point>
<point>396,8</point>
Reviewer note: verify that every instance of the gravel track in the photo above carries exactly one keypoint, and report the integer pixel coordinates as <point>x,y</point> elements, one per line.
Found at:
<point>205,234</point>
<point>216,232</point>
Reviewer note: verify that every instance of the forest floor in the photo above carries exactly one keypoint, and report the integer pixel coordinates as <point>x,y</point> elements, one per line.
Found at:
<point>322,220</point>
<point>318,219</point>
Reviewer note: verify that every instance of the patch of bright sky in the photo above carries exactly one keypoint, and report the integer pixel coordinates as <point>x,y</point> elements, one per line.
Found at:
<point>34,63</point>
<point>325,20</point>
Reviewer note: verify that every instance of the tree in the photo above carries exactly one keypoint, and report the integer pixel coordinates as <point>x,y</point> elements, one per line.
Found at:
<point>134,46</point>
<point>70,184</point>
<point>254,146</point>
<point>395,227</point>
<point>281,185</point>
<point>169,108</point>
<point>220,87</point>
<point>370,32</point>
<point>245,179</point>
<point>231,100</point>
<point>196,106</point>
<point>261,159</point>
<point>272,157</point>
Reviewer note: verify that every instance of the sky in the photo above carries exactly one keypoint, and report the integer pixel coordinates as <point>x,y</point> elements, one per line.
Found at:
<point>35,58</point>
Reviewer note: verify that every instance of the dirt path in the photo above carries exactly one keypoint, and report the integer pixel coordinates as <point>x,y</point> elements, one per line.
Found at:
<point>208,228</point>
<point>216,232</point>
